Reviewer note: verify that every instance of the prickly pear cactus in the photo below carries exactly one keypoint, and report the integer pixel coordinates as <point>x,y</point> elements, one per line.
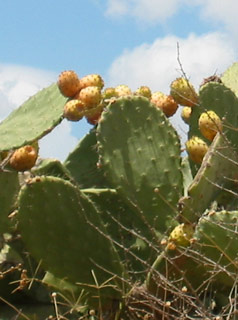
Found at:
<point>127,225</point>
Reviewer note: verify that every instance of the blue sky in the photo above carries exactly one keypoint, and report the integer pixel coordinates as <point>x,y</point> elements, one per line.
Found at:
<point>126,41</point>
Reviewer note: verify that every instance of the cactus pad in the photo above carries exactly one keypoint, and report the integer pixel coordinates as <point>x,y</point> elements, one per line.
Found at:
<point>9,189</point>
<point>82,163</point>
<point>61,227</point>
<point>35,118</point>
<point>230,78</point>
<point>140,153</point>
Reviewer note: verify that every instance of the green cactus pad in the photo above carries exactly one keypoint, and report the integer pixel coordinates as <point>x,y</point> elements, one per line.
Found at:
<point>82,163</point>
<point>34,119</point>
<point>61,227</point>
<point>213,182</point>
<point>140,153</point>
<point>51,167</point>
<point>9,183</point>
<point>128,233</point>
<point>217,245</point>
<point>230,78</point>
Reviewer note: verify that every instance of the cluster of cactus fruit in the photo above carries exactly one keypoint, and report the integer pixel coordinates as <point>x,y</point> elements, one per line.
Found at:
<point>127,226</point>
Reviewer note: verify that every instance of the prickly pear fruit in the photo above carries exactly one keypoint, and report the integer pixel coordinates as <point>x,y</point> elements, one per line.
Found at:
<point>94,118</point>
<point>109,93</point>
<point>122,90</point>
<point>196,149</point>
<point>68,83</point>
<point>209,124</point>
<point>73,110</point>
<point>92,80</point>
<point>186,113</point>
<point>165,102</point>
<point>181,235</point>
<point>23,158</point>
<point>143,91</point>
<point>93,115</point>
<point>183,92</point>
<point>90,96</point>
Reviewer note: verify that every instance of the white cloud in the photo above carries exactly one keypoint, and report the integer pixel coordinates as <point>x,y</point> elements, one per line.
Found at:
<point>158,11</point>
<point>156,64</point>
<point>221,11</point>
<point>17,84</point>
<point>115,7</point>
<point>145,10</point>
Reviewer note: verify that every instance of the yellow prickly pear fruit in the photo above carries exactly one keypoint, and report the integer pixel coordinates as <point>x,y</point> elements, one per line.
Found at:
<point>91,80</point>
<point>74,110</point>
<point>143,91</point>
<point>196,148</point>
<point>209,124</point>
<point>122,90</point>
<point>181,235</point>
<point>109,93</point>
<point>165,102</point>
<point>23,158</point>
<point>68,83</point>
<point>186,113</point>
<point>183,92</point>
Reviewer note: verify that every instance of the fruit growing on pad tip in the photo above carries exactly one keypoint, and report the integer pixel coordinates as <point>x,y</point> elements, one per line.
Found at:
<point>74,110</point>
<point>165,102</point>
<point>183,92</point>
<point>23,158</point>
<point>209,124</point>
<point>196,148</point>
<point>68,83</point>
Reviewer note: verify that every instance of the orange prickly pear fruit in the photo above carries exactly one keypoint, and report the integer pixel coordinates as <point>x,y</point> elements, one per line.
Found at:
<point>73,110</point>
<point>91,80</point>
<point>68,83</point>
<point>91,96</point>
<point>165,102</point>
<point>93,115</point>
<point>23,158</point>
